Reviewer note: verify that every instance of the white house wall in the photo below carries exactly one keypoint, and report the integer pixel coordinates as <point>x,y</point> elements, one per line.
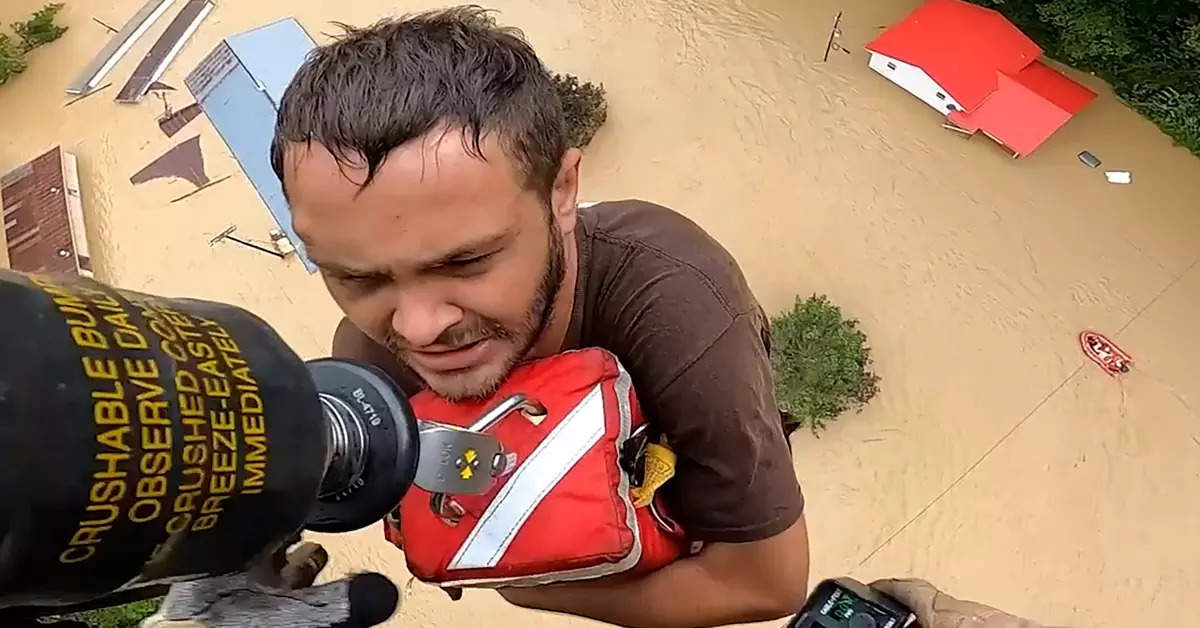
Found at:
<point>70,169</point>
<point>915,81</point>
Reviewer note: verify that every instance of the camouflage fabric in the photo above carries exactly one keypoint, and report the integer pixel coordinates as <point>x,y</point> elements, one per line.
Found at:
<point>279,597</point>
<point>935,609</point>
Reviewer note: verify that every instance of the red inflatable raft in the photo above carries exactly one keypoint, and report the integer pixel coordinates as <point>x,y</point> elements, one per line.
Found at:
<point>1104,352</point>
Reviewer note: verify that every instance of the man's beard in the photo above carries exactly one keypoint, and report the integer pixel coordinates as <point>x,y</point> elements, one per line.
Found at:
<point>537,318</point>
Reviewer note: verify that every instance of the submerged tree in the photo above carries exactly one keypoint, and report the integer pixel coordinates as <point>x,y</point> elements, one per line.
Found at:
<point>40,29</point>
<point>37,30</point>
<point>12,58</point>
<point>584,106</point>
<point>822,363</point>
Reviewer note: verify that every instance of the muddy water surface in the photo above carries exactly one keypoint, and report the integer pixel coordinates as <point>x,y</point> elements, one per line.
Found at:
<point>995,462</point>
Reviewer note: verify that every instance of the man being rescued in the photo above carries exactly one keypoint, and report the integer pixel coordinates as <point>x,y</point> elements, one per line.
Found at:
<point>426,165</point>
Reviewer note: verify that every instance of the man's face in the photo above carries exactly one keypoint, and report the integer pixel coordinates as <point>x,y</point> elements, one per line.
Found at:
<point>445,258</point>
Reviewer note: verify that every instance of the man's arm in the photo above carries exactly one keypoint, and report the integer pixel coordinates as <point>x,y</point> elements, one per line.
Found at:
<point>734,488</point>
<point>726,583</point>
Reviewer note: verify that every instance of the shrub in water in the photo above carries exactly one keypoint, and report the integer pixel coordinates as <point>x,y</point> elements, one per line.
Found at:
<point>584,106</point>
<point>821,362</point>
<point>37,30</point>
<point>12,58</point>
<point>40,29</point>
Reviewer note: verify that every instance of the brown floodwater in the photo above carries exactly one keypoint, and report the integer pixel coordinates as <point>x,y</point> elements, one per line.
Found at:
<point>995,462</point>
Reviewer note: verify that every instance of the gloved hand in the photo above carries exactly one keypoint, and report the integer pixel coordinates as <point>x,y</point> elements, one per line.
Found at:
<point>279,595</point>
<point>935,609</point>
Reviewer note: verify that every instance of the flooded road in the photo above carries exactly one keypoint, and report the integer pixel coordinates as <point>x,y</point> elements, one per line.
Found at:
<point>996,461</point>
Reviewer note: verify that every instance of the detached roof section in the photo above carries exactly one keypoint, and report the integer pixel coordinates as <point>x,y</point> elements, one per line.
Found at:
<point>1017,115</point>
<point>239,86</point>
<point>1054,87</point>
<point>272,54</point>
<point>962,46</point>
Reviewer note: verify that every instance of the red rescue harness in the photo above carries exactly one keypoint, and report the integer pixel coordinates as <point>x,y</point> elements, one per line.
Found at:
<point>563,509</point>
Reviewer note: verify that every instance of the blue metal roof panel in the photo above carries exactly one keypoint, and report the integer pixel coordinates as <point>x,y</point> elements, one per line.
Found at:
<point>272,54</point>
<point>245,118</point>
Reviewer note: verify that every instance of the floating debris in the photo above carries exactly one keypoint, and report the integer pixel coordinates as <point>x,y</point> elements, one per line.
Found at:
<point>206,185</point>
<point>164,50</point>
<point>228,235</point>
<point>1089,160</point>
<point>101,22</point>
<point>171,123</point>
<point>1119,176</point>
<point>86,94</point>
<point>184,161</point>
<point>282,243</point>
<point>107,58</point>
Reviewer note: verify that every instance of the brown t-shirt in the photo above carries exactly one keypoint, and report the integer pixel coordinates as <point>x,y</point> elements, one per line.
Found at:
<point>673,306</point>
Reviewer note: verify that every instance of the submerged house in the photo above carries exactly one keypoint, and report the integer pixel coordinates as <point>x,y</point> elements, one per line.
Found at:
<point>980,71</point>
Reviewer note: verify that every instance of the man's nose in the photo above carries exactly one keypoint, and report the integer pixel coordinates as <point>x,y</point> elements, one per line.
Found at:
<point>420,319</point>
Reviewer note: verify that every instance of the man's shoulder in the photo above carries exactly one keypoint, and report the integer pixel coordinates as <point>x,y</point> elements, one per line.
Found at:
<point>660,291</point>
<point>643,223</point>
<point>637,242</point>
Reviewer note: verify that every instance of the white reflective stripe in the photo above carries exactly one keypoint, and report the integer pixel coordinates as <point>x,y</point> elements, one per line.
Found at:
<point>624,402</point>
<point>582,428</point>
<point>624,389</point>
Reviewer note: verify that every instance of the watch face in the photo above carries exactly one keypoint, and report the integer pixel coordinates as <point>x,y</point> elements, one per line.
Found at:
<point>843,605</point>
<point>846,608</point>
<point>837,605</point>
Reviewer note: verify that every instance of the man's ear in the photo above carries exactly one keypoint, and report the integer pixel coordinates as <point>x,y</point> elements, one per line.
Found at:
<point>565,194</point>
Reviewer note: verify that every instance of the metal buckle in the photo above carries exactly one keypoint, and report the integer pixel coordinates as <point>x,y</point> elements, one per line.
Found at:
<point>534,411</point>
<point>633,455</point>
<point>458,461</point>
<point>448,510</point>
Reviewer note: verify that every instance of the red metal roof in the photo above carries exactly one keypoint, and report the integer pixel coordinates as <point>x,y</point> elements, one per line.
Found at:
<point>1054,87</point>
<point>1026,108</point>
<point>960,45</point>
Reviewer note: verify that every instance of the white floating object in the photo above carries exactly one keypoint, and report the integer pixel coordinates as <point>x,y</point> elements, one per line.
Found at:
<point>282,243</point>
<point>1119,176</point>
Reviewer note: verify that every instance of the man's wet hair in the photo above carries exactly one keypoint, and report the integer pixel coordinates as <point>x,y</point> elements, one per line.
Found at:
<point>378,87</point>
